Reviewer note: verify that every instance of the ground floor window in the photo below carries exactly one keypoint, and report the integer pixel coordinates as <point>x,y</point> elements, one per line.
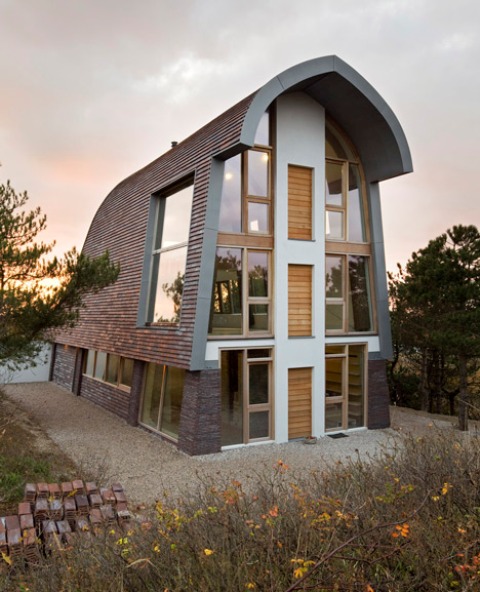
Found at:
<point>162,399</point>
<point>111,368</point>
<point>246,395</point>
<point>345,386</point>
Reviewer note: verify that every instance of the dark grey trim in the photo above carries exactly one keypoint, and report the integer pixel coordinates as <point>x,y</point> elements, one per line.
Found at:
<point>380,272</point>
<point>351,101</point>
<point>147,263</point>
<point>207,265</point>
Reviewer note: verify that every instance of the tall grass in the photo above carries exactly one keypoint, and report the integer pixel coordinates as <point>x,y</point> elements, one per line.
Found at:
<point>408,520</point>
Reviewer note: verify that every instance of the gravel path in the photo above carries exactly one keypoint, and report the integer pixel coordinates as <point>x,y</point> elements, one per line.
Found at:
<point>148,467</point>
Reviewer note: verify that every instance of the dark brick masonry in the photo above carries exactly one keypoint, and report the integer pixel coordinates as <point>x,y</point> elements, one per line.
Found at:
<point>378,397</point>
<point>63,365</point>
<point>200,418</point>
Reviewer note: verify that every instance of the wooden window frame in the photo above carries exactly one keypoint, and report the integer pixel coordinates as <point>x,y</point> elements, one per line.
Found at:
<point>249,408</point>
<point>248,300</point>
<point>117,384</point>
<point>346,294</point>
<point>343,398</point>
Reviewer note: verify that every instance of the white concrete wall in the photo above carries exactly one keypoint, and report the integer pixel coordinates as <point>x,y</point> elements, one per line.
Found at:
<point>37,372</point>
<point>300,141</point>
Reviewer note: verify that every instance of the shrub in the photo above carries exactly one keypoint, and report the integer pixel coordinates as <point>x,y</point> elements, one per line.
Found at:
<point>409,519</point>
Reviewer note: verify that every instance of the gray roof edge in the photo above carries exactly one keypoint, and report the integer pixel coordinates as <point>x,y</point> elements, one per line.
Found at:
<point>314,68</point>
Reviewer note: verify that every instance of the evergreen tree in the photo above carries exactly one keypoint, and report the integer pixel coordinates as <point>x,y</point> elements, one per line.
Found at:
<point>436,312</point>
<point>38,292</point>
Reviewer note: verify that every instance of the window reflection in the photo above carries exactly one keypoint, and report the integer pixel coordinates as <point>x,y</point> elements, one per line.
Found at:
<point>356,225</point>
<point>360,318</point>
<point>176,220</point>
<point>231,200</point>
<point>168,298</point>
<point>258,219</point>
<point>334,276</point>
<point>169,256</point>
<point>226,317</point>
<point>162,399</point>
<point>258,273</point>
<point>333,174</point>
<point>258,172</point>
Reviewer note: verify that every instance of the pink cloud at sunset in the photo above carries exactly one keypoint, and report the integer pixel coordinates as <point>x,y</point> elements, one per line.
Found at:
<point>93,91</point>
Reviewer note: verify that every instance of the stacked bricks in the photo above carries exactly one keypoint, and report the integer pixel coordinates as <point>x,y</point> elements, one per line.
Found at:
<point>51,515</point>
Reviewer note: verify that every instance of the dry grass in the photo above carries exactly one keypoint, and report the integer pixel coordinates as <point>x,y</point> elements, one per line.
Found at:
<point>26,454</point>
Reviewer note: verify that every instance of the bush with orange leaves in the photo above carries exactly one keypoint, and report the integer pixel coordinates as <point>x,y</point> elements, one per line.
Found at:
<point>406,520</point>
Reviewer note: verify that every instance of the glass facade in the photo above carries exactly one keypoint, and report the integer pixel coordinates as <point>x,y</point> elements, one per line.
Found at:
<point>169,255</point>
<point>162,399</point>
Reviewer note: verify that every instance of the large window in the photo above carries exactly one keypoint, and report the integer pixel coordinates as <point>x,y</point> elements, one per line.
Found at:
<point>246,395</point>
<point>162,399</point>
<point>169,254</point>
<point>348,302</point>
<point>246,194</point>
<point>245,206</point>
<point>242,286</point>
<point>344,195</point>
<point>241,298</point>
<point>348,251</point>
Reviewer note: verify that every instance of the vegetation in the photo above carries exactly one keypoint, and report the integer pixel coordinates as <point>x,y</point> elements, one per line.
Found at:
<point>26,455</point>
<point>436,324</point>
<point>406,520</point>
<point>38,292</point>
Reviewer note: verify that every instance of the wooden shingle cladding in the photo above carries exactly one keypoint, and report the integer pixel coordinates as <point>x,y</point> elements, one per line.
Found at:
<point>109,319</point>
<point>299,402</point>
<point>300,300</point>
<point>300,203</point>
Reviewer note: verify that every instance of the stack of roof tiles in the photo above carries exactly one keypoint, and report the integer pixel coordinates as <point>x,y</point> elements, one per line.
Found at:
<point>51,515</point>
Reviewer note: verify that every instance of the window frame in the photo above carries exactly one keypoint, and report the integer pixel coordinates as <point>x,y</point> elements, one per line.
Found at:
<point>352,159</point>
<point>250,408</point>
<point>345,299</point>
<point>245,298</point>
<point>155,252</point>
<point>344,397</point>
<point>92,353</point>
<point>164,369</point>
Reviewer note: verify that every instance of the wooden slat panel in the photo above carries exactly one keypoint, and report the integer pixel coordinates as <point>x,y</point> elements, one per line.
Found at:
<point>299,203</point>
<point>299,402</point>
<point>299,300</point>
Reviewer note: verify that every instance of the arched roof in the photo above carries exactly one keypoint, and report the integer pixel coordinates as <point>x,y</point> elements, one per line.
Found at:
<point>354,104</point>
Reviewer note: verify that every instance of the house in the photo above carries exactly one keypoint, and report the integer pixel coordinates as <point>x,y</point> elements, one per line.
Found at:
<point>252,300</point>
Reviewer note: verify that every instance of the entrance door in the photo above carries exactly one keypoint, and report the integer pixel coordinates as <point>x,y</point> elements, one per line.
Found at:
<point>345,371</point>
<point>246,392</point>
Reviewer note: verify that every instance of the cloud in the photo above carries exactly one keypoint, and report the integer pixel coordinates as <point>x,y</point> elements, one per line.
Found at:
<point>94,89</point>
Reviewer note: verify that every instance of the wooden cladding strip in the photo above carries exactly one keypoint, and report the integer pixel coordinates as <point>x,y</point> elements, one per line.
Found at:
<point>300,191</point>
<point>299,300</point>
<point>299,402</point>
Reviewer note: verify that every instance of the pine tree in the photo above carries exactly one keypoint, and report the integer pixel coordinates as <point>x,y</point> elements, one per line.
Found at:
<point>38,292</point>
<point>436,310</point>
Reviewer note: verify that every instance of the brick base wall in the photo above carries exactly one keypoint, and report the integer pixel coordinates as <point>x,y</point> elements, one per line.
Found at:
<point>200,419</point>
<point>106,396</point>
<point>63,370</point>
<point>136,392</point>
<point>378,396</point>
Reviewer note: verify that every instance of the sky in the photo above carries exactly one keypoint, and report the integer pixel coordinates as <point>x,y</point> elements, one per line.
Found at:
<point>93,90</point>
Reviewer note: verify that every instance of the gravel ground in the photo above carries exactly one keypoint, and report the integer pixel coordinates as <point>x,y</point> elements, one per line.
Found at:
<point>148,467</point>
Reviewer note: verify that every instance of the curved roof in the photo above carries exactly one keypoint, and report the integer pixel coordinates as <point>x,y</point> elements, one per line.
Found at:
<point>351,101</point>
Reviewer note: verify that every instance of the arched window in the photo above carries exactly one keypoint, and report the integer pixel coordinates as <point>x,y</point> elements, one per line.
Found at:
<point>348,267</point>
